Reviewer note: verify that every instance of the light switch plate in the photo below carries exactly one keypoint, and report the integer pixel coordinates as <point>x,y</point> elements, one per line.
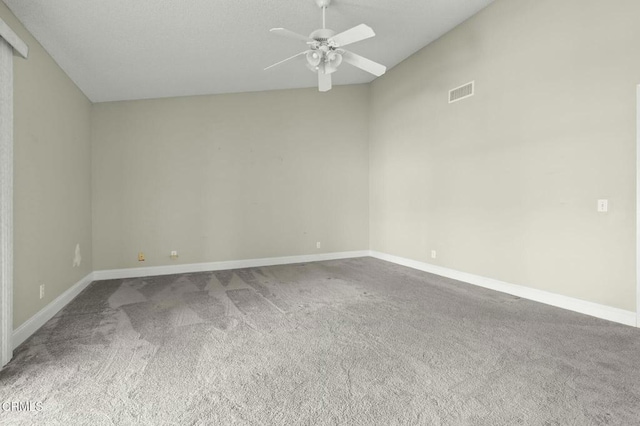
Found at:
<point>603,206</point>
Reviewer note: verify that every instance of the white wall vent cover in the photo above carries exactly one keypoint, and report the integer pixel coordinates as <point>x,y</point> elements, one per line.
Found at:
<point>462,92</point>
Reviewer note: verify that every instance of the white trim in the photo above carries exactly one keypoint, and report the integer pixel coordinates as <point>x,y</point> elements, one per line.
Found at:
<point>6,201</point>
<point>621,316</point>
<point>219,266</point>
<point>13,39</point>
<point>582,306</point>
<point>32,325</point>
<point>638,208</point>
<point>10,43</point>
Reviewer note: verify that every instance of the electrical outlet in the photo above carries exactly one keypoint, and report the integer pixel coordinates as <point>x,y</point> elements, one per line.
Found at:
<point>77,258</point>
<point>174,254</point>
<point>41,291</point>
<point>141,257</point>
<point>434,254</point>
<point>318,244</point>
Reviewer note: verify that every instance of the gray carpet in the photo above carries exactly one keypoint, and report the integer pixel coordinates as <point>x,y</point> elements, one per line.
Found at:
<point>350,342</point>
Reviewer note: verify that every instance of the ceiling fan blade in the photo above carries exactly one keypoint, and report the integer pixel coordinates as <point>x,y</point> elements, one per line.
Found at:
<point>364,63</point>
<point>324,81</point>
<point>355,34</point>
<point>288,59</point>
<point>290,34</point>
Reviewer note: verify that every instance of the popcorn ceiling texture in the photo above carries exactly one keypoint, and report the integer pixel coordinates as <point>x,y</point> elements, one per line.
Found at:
<point>357,342</point>
<point>123,50</point>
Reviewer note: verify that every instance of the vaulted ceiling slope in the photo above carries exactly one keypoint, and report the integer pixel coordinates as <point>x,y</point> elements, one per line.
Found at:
<point>122,49</point>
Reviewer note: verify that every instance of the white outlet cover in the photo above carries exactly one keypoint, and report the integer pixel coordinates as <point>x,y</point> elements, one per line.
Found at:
<point>77,260</point>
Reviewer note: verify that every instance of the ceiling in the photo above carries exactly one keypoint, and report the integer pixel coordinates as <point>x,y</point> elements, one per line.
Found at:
<point>123,49</point>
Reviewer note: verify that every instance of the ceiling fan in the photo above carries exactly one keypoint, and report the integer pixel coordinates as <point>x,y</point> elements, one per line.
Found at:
<point>325,50</point>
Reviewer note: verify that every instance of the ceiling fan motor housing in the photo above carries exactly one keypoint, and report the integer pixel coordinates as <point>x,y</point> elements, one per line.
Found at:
<point>322,35</point>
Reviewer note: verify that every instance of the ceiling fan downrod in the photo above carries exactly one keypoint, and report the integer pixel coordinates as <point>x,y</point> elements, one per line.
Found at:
<point>323,4</point>
<point>324,18</point>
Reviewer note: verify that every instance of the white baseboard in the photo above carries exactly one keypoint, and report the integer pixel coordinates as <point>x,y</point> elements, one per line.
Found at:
<point>582,306</point>
<point>219,266</point>
<point>621,316</point>
<point>32,325</point>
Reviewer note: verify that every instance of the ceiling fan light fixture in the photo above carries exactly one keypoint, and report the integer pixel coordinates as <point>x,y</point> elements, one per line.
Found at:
<point>333,62</point>
<point>313,58</point>
<point>326,51</point>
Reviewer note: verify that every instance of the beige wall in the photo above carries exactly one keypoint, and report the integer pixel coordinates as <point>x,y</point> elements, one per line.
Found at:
<point>504,184</point>
<point>230,177</point>
<point>52,178</point>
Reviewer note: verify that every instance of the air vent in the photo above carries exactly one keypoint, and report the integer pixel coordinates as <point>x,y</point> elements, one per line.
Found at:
<point>462,92</point>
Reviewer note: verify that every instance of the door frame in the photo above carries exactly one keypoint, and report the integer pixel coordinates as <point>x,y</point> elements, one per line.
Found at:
<point>11,45</point>
<point>638,206</point>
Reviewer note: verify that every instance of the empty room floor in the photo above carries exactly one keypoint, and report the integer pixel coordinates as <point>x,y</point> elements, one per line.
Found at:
<point>357,341</point>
